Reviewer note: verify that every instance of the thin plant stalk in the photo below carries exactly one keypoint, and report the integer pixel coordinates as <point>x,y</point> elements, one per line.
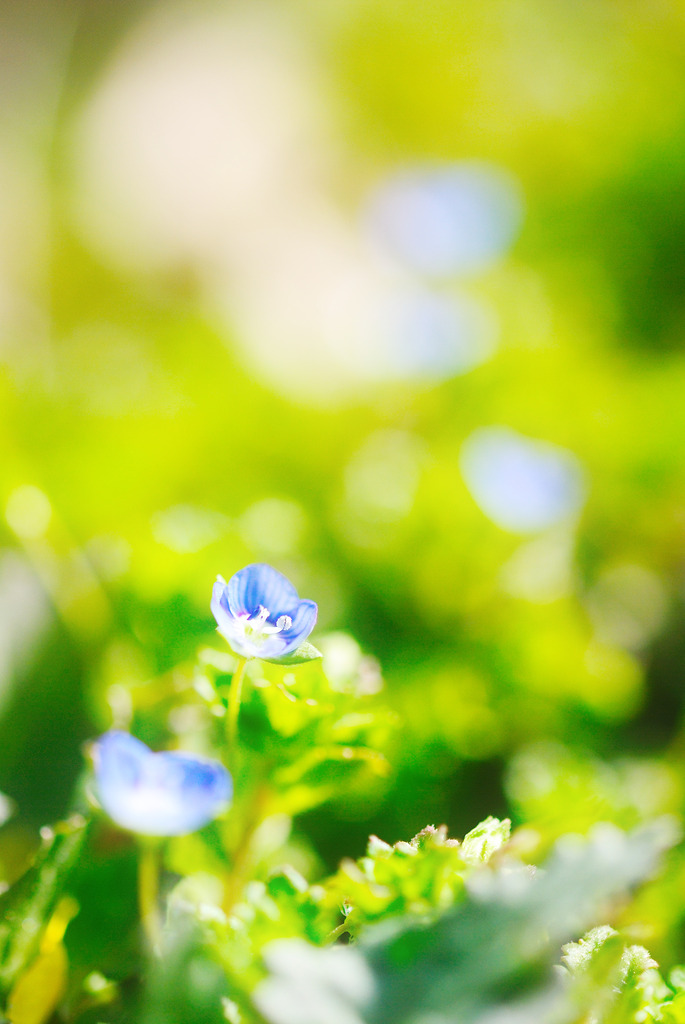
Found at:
<point>336,933</point>
<point>241,854</point>
<point>234,696</point>
<point>149,857</point>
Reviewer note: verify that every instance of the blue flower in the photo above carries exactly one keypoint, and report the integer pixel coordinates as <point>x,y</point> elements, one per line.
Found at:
<point>165,794</point>
<point>260,615</point>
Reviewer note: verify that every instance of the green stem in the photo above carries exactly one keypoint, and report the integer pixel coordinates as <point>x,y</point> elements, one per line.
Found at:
<point>234,695</point>
<point>336,933</point>
<point>148,893</point>
<point>241,854</point>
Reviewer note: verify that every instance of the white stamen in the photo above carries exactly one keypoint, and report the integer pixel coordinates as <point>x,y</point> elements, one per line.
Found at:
<point>258,621</point>
<point>256,628</point>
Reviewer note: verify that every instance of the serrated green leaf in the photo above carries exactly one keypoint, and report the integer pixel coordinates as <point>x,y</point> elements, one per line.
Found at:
<point>482,841</point>
<point>423,878</point>
<point>377,848</point>
<point>635,961</point>
<point>305,652</point>
<point>503,939</point>
<point>577,956</point>
<point>492,954</point>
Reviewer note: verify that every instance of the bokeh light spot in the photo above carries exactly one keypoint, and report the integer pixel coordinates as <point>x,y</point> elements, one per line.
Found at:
<point>28,512</point>
<point>446,220</point>
<point>522,485</point>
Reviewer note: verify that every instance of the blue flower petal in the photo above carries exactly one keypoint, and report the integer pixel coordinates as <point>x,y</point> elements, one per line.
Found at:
<point>303,623</point>
<point>166,794</point>
<point>272,648</point>
<point>120,756</point>
<point>201,788</point>
<point>260,584</point>
<point>219,606</point>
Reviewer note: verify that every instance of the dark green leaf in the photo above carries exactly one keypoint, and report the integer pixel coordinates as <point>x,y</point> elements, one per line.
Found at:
<point>26,908</point>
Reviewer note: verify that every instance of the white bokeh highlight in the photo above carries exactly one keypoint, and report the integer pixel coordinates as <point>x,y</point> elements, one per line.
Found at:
<point>205,152</point>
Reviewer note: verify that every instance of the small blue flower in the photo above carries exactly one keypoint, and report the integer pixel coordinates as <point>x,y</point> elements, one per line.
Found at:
<point>259,613</point>
<point>165,794</point>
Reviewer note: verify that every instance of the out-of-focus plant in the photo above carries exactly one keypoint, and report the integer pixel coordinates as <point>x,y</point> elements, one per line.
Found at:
<point>154,795</point>
<point>238,921</point>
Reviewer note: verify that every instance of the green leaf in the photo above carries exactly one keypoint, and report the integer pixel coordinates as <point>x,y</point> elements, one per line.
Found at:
<point>305,652</point>
<point>186,984</point>
<point>423,878</point>
<point>611,982</point>
<point>673,1012</point>
<point>483,840</point>
<point>492,954</point>
<point>27,907</point>
<point>501,942</point>
<point>578,956</point>
<point>313,986</point>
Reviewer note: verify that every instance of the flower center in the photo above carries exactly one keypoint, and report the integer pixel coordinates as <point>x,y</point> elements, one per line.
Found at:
<point>257,628</point>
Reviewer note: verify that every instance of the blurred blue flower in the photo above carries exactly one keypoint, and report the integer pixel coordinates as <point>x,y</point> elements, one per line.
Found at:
<point>157,794</point>
<point>434,336</point>
<point>259,613</point>
<point>522,485</point>
<point>452,219</point>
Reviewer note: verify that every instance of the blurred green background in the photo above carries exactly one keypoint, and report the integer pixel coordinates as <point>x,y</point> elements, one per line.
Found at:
<point>391,295</point>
